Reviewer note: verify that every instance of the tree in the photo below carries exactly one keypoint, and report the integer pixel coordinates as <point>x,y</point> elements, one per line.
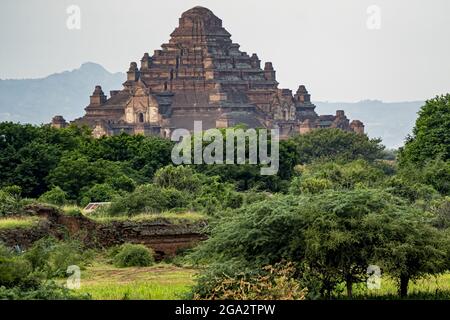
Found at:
<point>411,248</point>
<point>75,172</point>
<point>431,134</point>
<point>336,144</point>
<point>29,153</point>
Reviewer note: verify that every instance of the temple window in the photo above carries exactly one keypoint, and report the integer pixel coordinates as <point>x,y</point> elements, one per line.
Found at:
<point>141,117</point>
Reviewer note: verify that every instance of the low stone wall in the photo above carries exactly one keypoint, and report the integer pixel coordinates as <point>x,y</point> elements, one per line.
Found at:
<point>165,238</point>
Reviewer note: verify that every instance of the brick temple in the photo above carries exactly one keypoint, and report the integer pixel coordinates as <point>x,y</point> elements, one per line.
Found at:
<point>200,74</point>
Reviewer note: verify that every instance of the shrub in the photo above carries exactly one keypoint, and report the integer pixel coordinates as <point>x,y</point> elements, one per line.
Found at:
<point>411,191</point>
<point>215,196</point>
<point>149,199</point>
<point>73,211</point>
<point>21,279</point>
<point>317,177</point>
<point>180,178</point>
<point>9,203</point>
<point>441,210</point>
<point>98,193</point>
<point>55,196</point>
<point>53,257</point>
<point>268,283</point>
<point>13,190</point>
<point>309,185</point>
<point>44,291</point>
<point>133,255</point>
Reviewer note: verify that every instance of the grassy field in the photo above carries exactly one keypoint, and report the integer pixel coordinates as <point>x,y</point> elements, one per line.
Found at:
<point>168,282</point>
<point>432,287</point>
<point>19,222</point>
<point>159,282</point>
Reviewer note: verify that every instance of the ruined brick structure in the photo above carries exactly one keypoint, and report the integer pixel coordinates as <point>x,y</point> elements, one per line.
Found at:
<point>202,75</point>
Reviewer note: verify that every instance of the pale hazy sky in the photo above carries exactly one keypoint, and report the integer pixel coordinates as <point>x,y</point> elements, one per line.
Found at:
<point>324,44</point>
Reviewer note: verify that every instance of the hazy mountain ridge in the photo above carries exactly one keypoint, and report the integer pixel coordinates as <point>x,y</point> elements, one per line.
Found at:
<point>67,93</point>
<point>391,121</point>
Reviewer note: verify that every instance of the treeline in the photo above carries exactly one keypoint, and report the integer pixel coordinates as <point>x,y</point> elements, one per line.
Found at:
<point>41,159</point>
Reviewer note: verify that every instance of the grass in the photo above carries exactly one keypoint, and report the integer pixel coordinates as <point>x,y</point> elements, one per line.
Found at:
<point>71,210</point>
<point>159,282</point>
<point>431,287</point>
<point>172,217</point>
<point>19,222</point>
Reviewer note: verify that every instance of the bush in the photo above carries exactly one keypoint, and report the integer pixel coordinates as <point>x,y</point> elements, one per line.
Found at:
<point>9,204</point>
<point>44,291</point>
<point>180,178</point>
<point>55,196</point>
<point>98,193</point>
<point>13,190</point>
<point>14,271</point>
<point>53,257</point>
<point>441,210</point>
<point>149,199</point>
<point>268,283</point>
<point>215,196</point>
<point>309,185</point>
<point>408,190</point>
<point>315,178</point>
<point>133,255</point>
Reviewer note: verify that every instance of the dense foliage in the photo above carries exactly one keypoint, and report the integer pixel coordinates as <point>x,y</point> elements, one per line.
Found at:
<point>28,275</point>
<point>338,204</point>
<point>426,154</point>
<point>431,134</point>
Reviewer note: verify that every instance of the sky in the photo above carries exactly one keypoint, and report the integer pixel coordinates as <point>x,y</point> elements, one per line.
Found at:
<point>342,50</point>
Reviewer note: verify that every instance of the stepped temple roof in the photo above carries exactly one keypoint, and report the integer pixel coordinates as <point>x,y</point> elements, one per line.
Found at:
<point>201,75</point>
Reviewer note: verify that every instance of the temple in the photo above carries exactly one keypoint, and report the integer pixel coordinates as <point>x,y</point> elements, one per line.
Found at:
<point>201,75</point>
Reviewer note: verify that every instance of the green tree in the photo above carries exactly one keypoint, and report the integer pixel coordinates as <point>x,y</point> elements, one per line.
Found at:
<point>336,144</point>
<point>412,248</point>
<point>76,172</point>
<point>28,153</point>
<point>431,134</point>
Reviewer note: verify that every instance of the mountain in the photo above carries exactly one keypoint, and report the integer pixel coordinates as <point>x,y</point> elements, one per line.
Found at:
<point>38,100</point>
<point>391,121</point>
